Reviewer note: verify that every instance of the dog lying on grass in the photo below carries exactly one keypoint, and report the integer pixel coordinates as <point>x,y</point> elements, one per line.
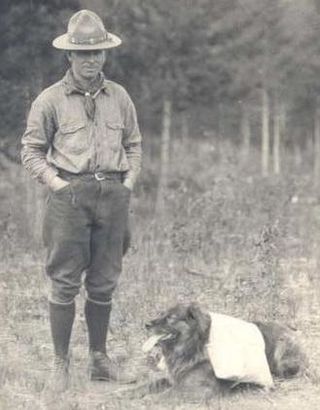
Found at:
<point>182,334</point>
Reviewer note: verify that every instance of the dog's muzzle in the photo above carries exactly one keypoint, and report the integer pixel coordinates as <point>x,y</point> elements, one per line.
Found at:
<point>153,340</point>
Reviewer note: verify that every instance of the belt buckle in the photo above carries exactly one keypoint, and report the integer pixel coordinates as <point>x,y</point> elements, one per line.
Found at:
<point>99,176</point>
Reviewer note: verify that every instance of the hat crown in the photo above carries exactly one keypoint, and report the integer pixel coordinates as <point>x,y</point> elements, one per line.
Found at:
<point>85,27</point>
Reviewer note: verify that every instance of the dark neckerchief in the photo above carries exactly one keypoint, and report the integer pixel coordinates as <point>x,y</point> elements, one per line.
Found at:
<point>89,94</point>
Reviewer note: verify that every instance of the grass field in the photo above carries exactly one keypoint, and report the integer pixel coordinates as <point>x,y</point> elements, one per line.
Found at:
<point>228,239</point>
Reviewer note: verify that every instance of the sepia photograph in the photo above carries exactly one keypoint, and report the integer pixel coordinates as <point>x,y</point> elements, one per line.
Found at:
<point>160,204</point>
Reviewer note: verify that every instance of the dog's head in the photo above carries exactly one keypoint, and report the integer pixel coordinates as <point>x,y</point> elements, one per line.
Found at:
<point>183,328</point>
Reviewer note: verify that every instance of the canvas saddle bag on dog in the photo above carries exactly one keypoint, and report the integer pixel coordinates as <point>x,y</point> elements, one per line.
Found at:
<point>236,350</point>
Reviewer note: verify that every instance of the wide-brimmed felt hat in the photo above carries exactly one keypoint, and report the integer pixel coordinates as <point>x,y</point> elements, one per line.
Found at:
<point>86,31</point>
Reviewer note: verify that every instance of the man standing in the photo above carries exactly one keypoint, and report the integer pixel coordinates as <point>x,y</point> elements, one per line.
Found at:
<point>83,141</point>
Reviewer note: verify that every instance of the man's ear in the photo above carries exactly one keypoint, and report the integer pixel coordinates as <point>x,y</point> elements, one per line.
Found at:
<point>68,56</point>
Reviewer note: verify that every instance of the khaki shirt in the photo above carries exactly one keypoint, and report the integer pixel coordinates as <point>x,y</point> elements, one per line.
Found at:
<point>59,134</point>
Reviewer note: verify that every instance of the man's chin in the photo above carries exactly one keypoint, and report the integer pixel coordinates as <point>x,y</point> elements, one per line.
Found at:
<point>90,76</point>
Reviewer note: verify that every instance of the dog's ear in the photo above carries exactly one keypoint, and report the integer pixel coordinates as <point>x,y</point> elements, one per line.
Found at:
<point>202,319</point>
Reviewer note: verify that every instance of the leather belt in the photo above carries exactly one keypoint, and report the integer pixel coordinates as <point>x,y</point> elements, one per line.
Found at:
<point>98,176</point>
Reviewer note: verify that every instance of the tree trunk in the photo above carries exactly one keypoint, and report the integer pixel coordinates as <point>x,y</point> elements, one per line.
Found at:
<point>265,134</point>
<point>184,126</point>
<point>220,120</point>
<point>164,157</point>
<point>245,131</point>
<point>278,132</point>
<point>316,161</point>
<point>221,123</point>
<point>297,155</point>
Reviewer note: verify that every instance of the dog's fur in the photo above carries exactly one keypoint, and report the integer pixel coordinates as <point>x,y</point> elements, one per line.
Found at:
<point>283,350</point>
<point>188,365</point>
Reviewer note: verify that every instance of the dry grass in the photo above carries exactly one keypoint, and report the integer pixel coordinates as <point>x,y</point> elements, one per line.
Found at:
<point>234,242</point>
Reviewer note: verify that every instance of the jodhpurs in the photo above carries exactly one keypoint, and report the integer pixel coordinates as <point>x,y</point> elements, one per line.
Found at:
<point>85,231</point>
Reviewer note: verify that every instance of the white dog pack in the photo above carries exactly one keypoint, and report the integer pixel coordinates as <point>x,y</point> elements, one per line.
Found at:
<point>236,350</point>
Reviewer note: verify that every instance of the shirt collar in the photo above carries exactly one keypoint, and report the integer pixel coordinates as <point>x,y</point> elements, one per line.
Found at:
<point>69,87</point>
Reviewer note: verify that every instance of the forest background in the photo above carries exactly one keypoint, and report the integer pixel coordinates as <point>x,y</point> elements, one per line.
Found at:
<point>227,208</point>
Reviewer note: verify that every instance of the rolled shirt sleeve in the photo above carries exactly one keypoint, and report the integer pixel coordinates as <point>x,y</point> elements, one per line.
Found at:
<point>36,141</point>
<point>132,143</point>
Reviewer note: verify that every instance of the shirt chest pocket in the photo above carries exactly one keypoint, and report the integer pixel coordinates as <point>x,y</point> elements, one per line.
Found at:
<point>114,131</point>
<point>72,138</point>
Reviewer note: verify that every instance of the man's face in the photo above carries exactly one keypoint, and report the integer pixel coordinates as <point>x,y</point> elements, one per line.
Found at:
<point>86,64</point>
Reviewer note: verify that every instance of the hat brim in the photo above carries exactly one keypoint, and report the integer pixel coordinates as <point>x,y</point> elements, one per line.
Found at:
<point>62,43</point>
